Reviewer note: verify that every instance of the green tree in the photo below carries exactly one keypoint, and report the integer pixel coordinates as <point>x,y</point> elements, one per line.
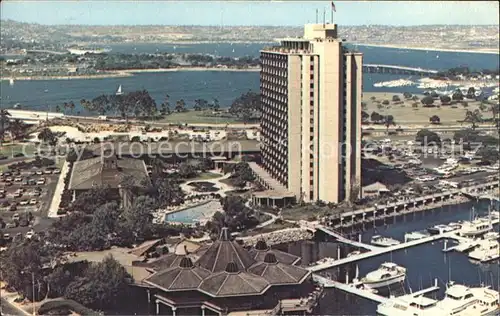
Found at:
<point>488,154</point>
<point>18,128</point>
<point>138,219</point>
<point>180,106</point>
<point>47,136</point>
<point>4,121</point>
<point>165,106</point>
<point>434,119</point>
<point>103,286</point>
<point>473,117</point>
<point>445,100</point>
<point>427,101</point>
<point>246,106</point>
<point>425,136</point>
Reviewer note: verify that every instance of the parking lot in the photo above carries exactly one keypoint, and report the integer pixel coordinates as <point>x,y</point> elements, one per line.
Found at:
<point>25,197</point>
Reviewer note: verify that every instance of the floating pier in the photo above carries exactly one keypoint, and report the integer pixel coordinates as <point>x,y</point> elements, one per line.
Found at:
<point>378,212</point>
<point>353,289</point>
<point>381,251</point>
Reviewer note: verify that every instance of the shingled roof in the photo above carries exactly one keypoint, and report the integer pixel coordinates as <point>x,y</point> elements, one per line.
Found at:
<point>222,252</point>
<point>277,273</point>
<point>185,276</point>
<point>233,282</point>
<point>101,171</point>
<point>261,249</point>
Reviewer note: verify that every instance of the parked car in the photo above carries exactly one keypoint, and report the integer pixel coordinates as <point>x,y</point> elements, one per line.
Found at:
<point>47,172</point>
<point>33,201</point>
<point>40,181</point>
<point>18,179</point>
<point>15,216</point>
<point>13,207</point>
<point>39,172</point>
<point>18,194</point>
<point>56,171</point>
<point>11,225</point>
<point>24,202</point>
<point>30,234</point>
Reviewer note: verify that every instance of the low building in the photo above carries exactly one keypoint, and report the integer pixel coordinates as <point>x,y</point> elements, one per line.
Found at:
<point>107,172</point>
<point>224,278</point>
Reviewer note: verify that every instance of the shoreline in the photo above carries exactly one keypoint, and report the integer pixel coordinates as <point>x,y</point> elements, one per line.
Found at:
<point>490,51</point>
<point>129,73</point>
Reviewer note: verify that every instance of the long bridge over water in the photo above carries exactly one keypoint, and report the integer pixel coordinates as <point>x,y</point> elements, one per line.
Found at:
<point>395,69</point>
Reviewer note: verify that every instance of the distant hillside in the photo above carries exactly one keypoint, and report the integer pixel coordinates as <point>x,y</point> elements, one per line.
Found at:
<point>436,36</point>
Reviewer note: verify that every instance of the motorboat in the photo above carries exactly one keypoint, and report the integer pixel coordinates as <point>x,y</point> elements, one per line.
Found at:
<point>476,227</point>
<point>354,253</point>
<point>488,250</point>
<point>491,236</point>
<point>408,305</point>
<point>455,226</point>
<point>388,273</point>
<point>459,300</point>
<point>439,229</point>
<point>416,235</point>
<point>382,241</point>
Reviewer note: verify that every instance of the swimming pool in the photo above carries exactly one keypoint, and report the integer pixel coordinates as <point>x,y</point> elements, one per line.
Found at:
<point>194,214</point>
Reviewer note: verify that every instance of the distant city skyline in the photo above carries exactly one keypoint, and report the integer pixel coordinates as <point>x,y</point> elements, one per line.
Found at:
<point>251,13</point>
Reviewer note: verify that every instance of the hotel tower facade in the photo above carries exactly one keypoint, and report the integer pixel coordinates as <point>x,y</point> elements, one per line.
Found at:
<point>311,90</point>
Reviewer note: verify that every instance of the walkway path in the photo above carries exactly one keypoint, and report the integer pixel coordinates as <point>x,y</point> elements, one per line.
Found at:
<point>56,199</point>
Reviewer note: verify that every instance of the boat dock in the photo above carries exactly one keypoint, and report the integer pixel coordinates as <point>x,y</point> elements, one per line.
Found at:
<point>344,240</point>
<point>381,251</point>
<point>377,212</point>
<point>353,289</point>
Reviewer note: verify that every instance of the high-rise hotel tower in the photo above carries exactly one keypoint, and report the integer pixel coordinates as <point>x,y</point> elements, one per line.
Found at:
<point>311,91</point>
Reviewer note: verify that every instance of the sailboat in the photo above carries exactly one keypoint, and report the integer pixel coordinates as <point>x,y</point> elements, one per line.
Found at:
<point>119,91</point>
<point>11,81</point>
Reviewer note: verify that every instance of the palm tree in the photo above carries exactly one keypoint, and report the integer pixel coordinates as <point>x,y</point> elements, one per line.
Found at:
<point>17,128</point>
<point>473,117</point>
<point>4,120</point>
<point>180,105</point>
<point>71,106</point>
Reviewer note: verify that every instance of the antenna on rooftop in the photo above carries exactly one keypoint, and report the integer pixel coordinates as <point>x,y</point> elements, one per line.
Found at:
<point>324,17</point>
<point>316,16</point>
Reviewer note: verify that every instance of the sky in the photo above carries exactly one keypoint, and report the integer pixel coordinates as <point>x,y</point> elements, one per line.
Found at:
<point>285,13</point>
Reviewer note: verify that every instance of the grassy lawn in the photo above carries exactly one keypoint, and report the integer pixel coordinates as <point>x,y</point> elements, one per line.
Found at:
<point>197,117</point>
<point>10,149</point>
<point>306,212</point>
<point>269,228</point>
<point>405,114</point>
<point>206,176</point>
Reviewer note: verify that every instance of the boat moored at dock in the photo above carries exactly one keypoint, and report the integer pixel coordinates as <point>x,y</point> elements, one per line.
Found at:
<point>382,241</point>
<point>459,300</point>
<point>388,273</point>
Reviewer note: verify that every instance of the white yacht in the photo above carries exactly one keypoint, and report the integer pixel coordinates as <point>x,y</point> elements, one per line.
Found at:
<point>459,301</point>
<point>488,250</point>
<point>476,227</point>
<point>382,241</point>
<point>439,229</point>
<point>388,273</point>
<point>416,235</point>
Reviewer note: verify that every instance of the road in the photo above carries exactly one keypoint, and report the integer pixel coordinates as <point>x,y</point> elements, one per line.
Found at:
<point>7,308</point>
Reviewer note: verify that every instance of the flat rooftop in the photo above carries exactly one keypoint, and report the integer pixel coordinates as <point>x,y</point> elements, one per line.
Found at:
<point>277,189</point>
